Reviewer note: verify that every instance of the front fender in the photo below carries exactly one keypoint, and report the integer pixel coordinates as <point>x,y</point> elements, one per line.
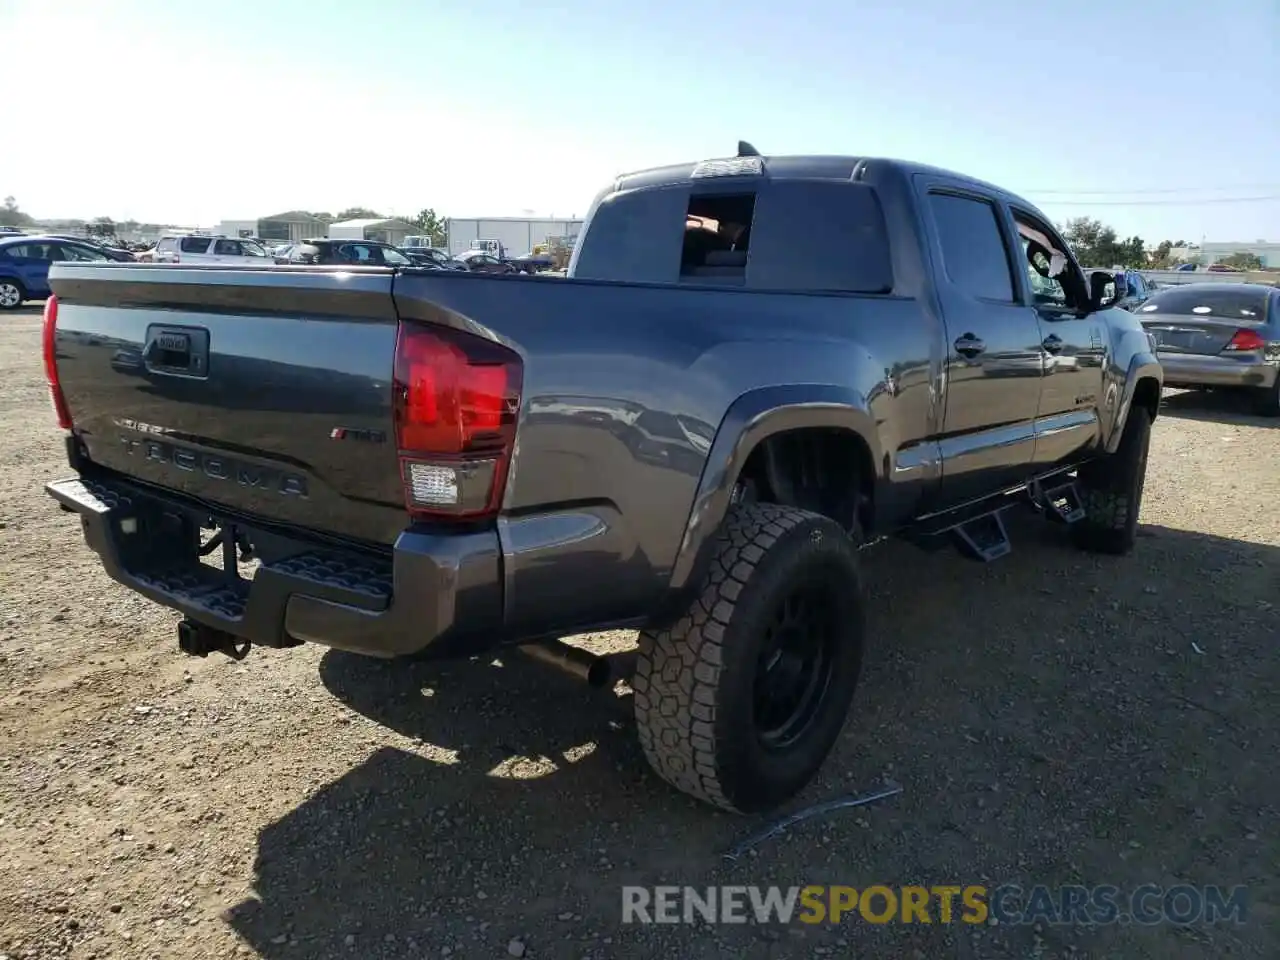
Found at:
<point>754,416</point>
<point>1143,365</point>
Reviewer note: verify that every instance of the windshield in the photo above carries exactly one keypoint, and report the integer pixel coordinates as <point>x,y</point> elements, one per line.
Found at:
<point>393,256</point>
<point>1247,305</point>
<point>252,248</point>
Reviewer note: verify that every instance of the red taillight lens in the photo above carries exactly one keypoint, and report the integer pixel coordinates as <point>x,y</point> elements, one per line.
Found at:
<point>457,397</point>
<point>51,362</point>
<point>1246,340</point>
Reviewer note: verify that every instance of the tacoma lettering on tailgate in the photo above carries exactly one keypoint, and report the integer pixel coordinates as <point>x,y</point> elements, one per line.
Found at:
<point>217,467</point>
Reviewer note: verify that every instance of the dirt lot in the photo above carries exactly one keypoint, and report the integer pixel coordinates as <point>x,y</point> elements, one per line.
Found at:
<point>1052,718</point>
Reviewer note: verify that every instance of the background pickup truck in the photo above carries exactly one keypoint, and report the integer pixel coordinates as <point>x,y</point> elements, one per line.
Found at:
<point>756,367</point>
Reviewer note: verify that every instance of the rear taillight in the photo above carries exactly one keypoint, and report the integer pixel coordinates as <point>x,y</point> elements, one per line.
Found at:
<point>51,362</point>
<point>457,397</point>
<point>1246,340</point>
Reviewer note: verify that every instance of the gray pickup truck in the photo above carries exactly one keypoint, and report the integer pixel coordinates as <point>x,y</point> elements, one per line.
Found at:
<point>756,367</point>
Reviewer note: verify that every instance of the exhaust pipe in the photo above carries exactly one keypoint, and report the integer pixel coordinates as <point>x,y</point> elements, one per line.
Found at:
<point>578,663</point>
<point>197,640</point>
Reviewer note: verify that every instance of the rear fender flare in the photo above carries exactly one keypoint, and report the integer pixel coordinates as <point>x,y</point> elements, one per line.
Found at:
<point>754,416</point>
<point>1142,366</point>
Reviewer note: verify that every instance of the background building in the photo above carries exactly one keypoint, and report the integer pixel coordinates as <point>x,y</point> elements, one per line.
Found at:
<point>518,235</point>
<point>283,227</point>
<point>387,230</point>
<point>1216,251</point>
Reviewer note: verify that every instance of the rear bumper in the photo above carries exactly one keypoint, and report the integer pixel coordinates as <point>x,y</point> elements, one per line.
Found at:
<point>433,590</point>
<point>1194,370</point>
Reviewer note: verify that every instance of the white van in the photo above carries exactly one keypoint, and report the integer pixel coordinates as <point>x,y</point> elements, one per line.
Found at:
<point>193,248</point>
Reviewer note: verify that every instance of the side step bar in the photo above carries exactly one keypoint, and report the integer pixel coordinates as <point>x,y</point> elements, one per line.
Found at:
<point>1060,503</point>
<point>980,532</point>
<point>984,538</point>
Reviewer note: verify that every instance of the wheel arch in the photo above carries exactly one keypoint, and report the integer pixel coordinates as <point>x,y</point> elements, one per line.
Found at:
<point>1142,386</point>
<point>17,282</point>
<point>833,416</point>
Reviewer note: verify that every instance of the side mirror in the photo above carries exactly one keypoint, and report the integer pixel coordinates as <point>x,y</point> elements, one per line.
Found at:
<point>1099,297</point>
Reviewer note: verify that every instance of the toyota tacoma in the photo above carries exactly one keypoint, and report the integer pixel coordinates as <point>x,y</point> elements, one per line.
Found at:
<point>755,368</point>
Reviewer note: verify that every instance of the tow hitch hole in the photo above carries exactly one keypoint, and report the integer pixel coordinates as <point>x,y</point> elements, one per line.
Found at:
<point>197,640</point>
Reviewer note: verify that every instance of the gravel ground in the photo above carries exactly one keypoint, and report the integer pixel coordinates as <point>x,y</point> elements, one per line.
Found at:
<point>1052,718</point>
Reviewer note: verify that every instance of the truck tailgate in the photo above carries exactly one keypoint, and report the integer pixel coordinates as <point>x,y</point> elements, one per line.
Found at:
<point>266,392</point>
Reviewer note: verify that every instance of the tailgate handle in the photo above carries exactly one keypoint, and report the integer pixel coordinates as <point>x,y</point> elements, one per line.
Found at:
<point>179,351</point>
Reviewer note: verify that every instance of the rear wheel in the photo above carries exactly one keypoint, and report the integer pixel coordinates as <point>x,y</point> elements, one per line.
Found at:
<point>740,702</point>
<point>1111,491</point>
<point>1266,400</point>
<point>11,295</point>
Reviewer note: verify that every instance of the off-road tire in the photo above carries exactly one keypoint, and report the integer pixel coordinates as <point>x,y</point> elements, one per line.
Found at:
<point>694,682</point>
<point>1111,491</point>
<point>22,295</point>
<point>1266,400</point>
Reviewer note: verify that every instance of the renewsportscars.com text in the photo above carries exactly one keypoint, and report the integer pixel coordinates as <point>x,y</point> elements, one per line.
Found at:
<point>944,903</point>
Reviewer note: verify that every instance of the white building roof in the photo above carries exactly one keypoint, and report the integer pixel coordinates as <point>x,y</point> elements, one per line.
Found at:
<point>379,222</point>
<point>522,219</point>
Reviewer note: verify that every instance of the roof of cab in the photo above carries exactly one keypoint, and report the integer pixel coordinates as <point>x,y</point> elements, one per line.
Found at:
<point>810,167</point>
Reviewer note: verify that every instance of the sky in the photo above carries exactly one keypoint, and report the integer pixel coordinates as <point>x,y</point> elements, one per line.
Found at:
<point>1158,119</point>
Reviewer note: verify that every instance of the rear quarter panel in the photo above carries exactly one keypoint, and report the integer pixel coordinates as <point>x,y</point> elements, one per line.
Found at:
<point>625,388</point>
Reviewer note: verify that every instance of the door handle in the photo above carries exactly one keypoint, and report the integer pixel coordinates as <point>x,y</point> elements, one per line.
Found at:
<point>969,346</point>
<point>1052,343</point>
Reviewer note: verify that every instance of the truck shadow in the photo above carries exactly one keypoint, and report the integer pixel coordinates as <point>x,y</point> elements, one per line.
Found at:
<point>1215,406</point>
<point>512,802</point>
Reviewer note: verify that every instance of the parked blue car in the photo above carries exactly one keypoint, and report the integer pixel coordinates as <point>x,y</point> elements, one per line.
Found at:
<point>24,265</point>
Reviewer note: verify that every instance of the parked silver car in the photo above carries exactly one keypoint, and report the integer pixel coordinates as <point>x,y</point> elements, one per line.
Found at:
<point>1219,335</point>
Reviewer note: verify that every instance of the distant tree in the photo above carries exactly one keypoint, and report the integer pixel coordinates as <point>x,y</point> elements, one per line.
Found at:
<point>1096,245</point>
<point>359,213</point>
<point>431,224</point>
<point>11,216</point>
<point>1133,252</point>
<point>1242,260</point>
<point>1093,242</point>
<point>326,216</point>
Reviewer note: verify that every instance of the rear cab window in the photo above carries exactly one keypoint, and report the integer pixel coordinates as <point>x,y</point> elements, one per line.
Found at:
<point>356,253</point>
<point>796,235</point>
<point>1238,306</point>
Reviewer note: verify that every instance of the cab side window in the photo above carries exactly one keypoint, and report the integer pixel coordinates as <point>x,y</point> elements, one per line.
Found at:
<point>1045,288</point>
<point>1054,279</point>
